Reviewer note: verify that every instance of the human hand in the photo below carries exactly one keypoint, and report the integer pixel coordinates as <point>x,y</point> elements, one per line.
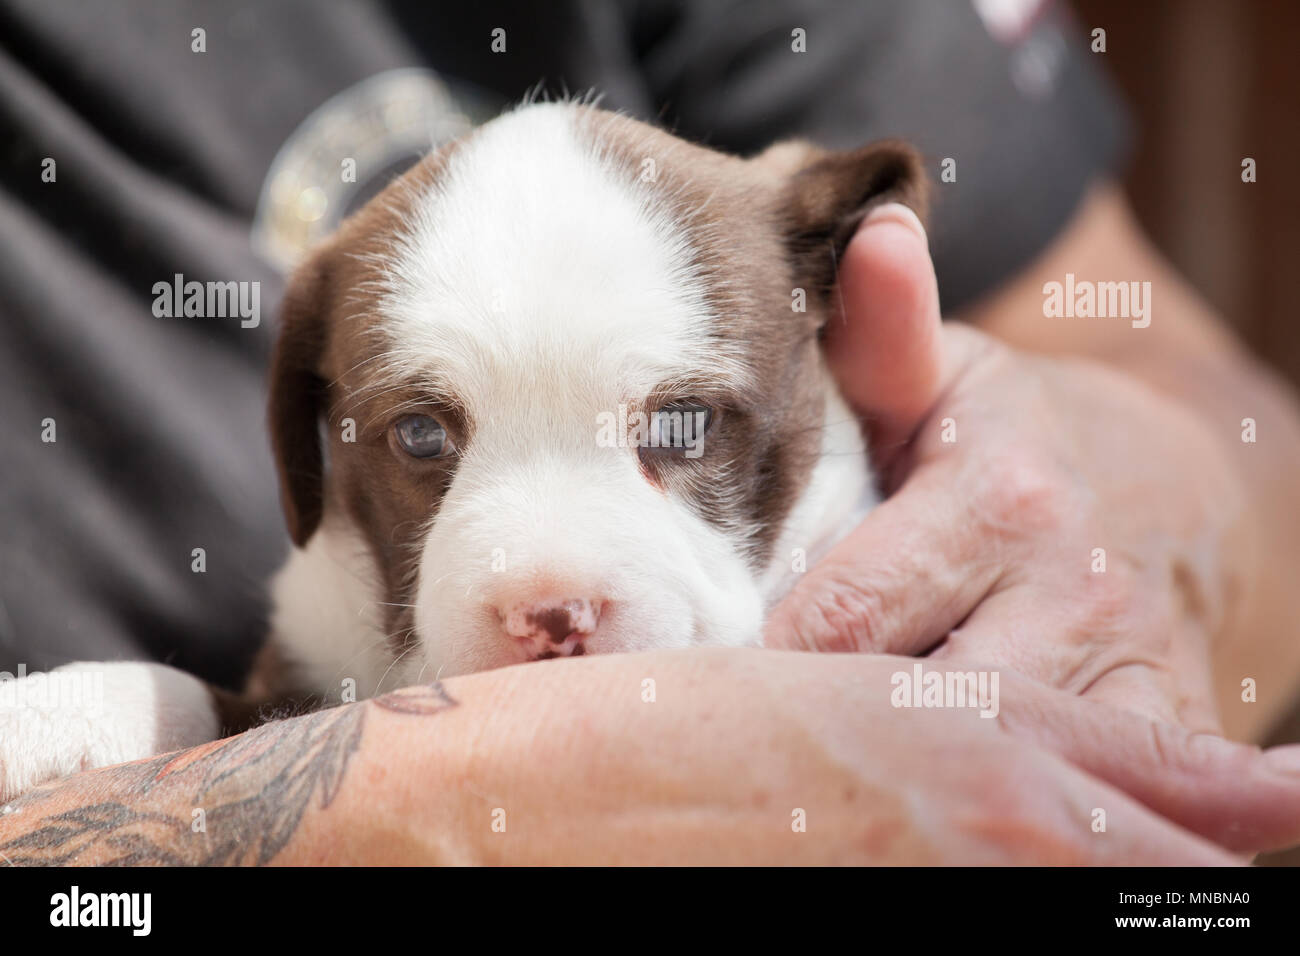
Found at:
<point>1050,516</point>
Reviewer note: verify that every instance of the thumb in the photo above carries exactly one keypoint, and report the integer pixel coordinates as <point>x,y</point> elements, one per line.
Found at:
<point>917,563</point>
<point>883,345</point>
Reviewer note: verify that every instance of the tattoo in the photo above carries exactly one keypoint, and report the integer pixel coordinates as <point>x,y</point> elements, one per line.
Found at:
<point>248,794</point>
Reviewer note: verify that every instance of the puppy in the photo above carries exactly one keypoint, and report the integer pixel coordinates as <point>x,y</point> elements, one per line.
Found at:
<point>557,391</point>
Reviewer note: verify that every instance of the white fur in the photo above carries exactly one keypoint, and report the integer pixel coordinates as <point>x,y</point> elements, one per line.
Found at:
<point>838,496</point>
<point>86,715</point>
<point>327,618</point>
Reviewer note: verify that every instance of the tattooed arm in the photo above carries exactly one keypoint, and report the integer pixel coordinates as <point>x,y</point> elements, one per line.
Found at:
<point>708,756</point>
<point>232,801</point>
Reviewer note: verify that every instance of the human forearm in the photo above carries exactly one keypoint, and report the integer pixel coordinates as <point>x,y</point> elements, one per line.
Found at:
<point>700,756</point>
<point>582,764</point>
<point>628,759</point>
<point>585,764</point>
<point>716,756</point>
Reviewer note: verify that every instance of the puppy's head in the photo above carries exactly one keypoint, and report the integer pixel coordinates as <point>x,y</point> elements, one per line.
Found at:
<point>562,380</point>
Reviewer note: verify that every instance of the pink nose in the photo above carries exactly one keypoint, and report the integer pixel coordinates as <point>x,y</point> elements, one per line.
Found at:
<point>553,627</point>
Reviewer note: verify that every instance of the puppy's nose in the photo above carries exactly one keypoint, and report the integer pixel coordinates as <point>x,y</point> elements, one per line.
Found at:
<point>553,627</point>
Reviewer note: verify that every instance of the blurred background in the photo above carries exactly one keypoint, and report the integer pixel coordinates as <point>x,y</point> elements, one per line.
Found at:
<point>1210,83</point>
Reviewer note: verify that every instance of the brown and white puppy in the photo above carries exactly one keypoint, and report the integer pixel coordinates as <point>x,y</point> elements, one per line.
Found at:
<point>558,390</point>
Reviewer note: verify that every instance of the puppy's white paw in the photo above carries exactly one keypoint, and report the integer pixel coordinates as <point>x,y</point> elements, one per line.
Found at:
<point>88,715</point>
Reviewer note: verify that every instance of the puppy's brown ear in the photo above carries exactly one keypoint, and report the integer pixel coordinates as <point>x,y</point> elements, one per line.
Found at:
<point>298,397</point>
<point>828,194</point>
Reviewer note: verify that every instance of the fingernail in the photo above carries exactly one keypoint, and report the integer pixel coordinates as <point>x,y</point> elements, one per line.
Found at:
<point>1283,759</point>
<point>896,212</point>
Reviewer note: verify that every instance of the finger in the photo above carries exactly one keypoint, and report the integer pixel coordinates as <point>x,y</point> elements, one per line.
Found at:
<point>883,346</point>
<point>899,582</point>
<point>1134,835</point>
<point>1238,796</point>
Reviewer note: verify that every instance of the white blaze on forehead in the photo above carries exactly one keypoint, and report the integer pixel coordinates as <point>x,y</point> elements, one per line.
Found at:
<point>537,262</point>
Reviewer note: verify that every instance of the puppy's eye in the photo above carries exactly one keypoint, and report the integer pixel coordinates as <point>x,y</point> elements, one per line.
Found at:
<point>679,425</point>
<point>422,437</point>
